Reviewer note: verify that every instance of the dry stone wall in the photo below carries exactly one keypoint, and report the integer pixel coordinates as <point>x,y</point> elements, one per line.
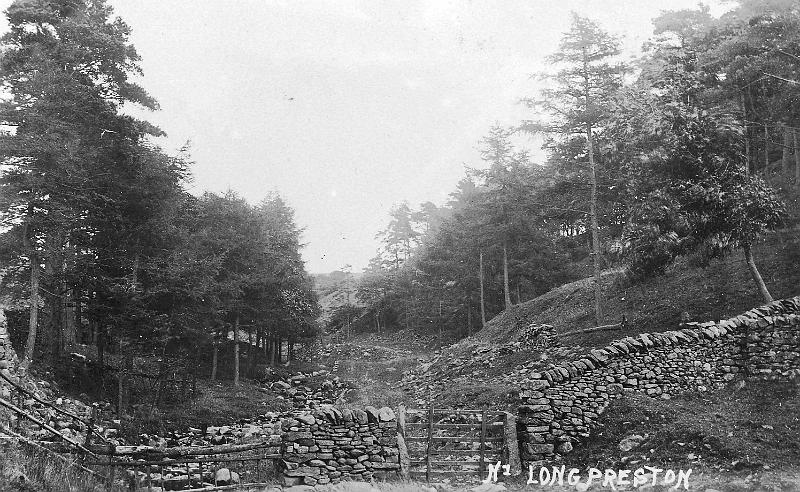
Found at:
<point>328,445</point>
<point>562,404</point>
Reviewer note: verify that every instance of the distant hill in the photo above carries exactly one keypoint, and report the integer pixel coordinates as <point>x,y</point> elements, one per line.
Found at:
<point>332,290</point>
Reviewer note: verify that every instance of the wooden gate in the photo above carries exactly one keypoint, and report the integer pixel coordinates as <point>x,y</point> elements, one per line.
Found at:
<point>457,442</point>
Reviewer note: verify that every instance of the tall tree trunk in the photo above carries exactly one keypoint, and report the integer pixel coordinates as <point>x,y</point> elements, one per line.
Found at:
<point>412,312</point>
<point>747,153</point>
<point>162,375</point>
<point>483,307</point>
<point>236,351</point>
<point>94,331</point>
<point>751,264</point>
<point>469,318</point>
<point>51,328</point>
<point>70,335</point>
<point>214,359</point>
<point>101,345</point>
<point>796,159</point>
<point>33,321</point>
<point>250,354</point>
<point>439,320</point>
<point>746,135</point>
<point>120,392</point>
<point>70,307</point>
<point>122,379</point>
<point>598,313</point>
<point>54,298</point>
<point>787,146</point>
<point>80,331</point>
<point>766,154</point>
<point>506,289</point>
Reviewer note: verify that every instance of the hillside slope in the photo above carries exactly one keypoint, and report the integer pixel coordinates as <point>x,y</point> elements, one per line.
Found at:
<point>722,289</point>
<point>490,367</point>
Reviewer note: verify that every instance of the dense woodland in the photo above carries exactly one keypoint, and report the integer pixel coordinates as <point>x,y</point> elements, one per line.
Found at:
<point>690,151</point>
<point>101,242</point>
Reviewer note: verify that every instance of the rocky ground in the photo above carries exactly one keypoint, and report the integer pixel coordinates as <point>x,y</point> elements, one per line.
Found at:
<point>745,439</point>
<point>475,373</point>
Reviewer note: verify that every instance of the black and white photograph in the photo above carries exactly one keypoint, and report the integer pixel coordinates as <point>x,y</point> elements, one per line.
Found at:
<point>399,245</point>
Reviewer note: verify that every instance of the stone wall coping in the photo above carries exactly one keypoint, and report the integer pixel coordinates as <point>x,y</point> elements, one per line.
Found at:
<point>331,414</point>
<point>786,310</point>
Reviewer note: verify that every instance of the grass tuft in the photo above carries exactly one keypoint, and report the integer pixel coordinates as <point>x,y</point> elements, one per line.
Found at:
<point>27,470</point>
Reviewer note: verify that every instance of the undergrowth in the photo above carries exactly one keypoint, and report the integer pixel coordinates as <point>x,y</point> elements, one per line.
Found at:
<point>23,469</point>
<point>750,424</point>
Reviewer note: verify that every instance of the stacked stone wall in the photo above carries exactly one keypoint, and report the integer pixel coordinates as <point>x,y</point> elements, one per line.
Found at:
<point>562,405</point>
<point>328,445</point>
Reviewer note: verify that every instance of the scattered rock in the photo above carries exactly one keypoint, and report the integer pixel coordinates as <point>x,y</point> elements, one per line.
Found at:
<point>224,476</point>
<point>386,414</point>
<point>630,442</point>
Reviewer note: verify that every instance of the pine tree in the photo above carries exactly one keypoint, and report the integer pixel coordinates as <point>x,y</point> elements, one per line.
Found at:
<point>579,104</point>
<point>66,67</point>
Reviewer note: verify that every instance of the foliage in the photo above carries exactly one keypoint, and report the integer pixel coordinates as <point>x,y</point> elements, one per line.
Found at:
<point>659,163</point>
<point>689,189</point>
<point>91,204</point>
<point>427,274</point>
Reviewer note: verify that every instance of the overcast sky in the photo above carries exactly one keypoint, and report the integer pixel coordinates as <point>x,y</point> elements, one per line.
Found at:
<point>347,107</point>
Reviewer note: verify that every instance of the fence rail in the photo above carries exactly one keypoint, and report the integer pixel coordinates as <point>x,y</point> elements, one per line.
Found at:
<point>20,393</point>
<point>432,442</point>
<point>197,472</point>
<point>223,467</point>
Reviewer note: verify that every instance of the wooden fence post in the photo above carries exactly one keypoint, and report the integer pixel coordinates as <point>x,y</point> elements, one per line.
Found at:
<point>511,445</point>
<point>482,465</point>
<point>405,460</point>
<point>90,427</point>
<point>796,158</point>
<point>430,444</point>
<point>766,154</point>
<point>111,469</point>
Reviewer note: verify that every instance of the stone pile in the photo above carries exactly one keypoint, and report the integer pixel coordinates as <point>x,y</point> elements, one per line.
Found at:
<point>328,445</point>
<point>182,477</point>
<point>307,391</point>
<point>243,431</point>
<point>562,404</point>
<point>482,362</point>
<point>65,425</point>
<point>537,337</point>
<point>355,351</point>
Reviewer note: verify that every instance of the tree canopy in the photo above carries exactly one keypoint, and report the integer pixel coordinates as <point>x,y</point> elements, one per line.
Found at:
<point>99,231</point>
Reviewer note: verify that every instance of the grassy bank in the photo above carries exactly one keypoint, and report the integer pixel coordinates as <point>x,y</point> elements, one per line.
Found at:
<point>23,469</point>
